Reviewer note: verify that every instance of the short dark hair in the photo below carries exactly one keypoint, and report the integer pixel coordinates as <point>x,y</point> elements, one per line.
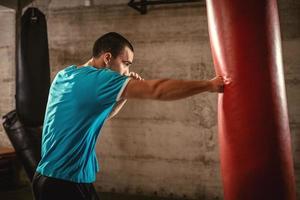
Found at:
<point>110,42</point>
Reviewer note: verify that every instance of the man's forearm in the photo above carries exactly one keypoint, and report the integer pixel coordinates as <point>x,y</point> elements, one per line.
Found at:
<point>170,89</point>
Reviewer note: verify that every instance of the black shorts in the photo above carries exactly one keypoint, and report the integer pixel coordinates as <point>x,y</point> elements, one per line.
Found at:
<point>48,188</point>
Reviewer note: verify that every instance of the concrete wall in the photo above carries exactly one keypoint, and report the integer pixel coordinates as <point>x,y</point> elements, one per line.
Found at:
<point>7,66</point>
<point>155,148</point>
<point>289,13</point>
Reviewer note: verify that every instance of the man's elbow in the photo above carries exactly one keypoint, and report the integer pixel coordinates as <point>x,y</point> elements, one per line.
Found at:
<point>161,95</point>
<point>158,91</point>
<point>158,97</point>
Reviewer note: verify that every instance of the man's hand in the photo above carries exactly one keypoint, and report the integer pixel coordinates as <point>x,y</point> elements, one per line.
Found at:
<point>217,84</point>
<point>135,76</point>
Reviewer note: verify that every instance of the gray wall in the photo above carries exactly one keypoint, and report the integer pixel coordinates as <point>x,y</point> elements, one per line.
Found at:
<point>7,66</point>
<point>152,147</point>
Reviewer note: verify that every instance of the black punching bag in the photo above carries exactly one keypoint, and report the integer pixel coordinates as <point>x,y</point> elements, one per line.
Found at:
<point>25,142</point>
<point>23,126</point>
<point>33,71</point>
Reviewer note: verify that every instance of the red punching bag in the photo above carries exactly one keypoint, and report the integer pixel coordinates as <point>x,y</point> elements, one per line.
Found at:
<point>254,134</point>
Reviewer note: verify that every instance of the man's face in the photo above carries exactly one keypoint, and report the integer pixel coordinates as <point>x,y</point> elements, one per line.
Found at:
<point>122,62</point>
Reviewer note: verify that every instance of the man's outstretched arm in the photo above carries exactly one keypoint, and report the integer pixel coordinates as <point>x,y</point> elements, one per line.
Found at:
<point>170,89</point>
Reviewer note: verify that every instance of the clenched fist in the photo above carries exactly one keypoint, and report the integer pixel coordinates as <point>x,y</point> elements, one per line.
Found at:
<point>218,83</point>
<point>135,76</point>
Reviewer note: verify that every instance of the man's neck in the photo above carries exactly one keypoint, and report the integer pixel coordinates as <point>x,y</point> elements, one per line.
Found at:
<point>97,64</point>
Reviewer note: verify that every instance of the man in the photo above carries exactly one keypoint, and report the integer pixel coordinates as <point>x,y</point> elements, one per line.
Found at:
<point>81,99</point>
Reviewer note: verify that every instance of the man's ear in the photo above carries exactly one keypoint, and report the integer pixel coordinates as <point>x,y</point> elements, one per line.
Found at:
<point>107,58</point>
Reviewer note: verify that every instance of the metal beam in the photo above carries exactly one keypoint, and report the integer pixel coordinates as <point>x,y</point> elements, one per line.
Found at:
<point>141,6</point>
<point>13,4</point>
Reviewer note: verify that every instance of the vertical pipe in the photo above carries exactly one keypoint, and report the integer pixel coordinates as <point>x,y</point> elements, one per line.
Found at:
<point>254,134</point>
<point>18,16</point>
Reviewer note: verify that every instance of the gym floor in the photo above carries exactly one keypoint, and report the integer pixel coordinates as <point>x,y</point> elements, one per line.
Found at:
<point>24,193</point>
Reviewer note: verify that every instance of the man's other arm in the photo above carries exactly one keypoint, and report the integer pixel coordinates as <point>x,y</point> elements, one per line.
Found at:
<point>117,108</point>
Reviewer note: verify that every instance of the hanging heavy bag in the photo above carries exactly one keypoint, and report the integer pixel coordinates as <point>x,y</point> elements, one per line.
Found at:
<point>255,144</point>
<point>23,142</point>
<point>33,71</point>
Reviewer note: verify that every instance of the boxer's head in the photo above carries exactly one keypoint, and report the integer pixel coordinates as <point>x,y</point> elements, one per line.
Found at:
<point>114,51</point>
